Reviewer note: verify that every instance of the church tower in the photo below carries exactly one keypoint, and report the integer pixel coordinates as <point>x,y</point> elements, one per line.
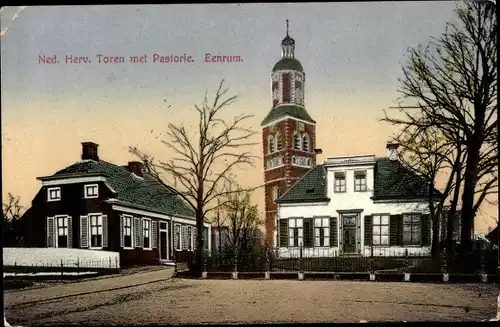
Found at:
<point>288,133</point>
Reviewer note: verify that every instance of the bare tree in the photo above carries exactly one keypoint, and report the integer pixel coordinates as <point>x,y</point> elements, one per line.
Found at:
<point>204,157</point>
<point>450,86</point>
<point>12,212</point>
<point>241,219</point>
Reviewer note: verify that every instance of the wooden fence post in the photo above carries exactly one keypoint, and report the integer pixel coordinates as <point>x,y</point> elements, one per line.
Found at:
<point>235,271</point>
<point>204,273</point>
<point>268,265</point>
<point>372,268</point>
<point>62,266</point>
<point>301,270</point>
<point>444,268</point>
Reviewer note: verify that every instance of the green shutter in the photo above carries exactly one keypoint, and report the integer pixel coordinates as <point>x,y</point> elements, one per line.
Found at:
<point>393,230</point>
<point>296,237</point>
<point>308,232</point>
<point>400,230</point>
<point>368,230</point>
<point>426,230</point>
<point>283,232</point>
<point>333,232</point>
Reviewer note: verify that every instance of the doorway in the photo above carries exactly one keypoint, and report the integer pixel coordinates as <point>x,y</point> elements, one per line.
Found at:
<point>349,226</point>
<point>163,241</point>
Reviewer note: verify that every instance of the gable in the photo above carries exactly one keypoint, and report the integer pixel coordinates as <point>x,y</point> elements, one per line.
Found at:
<point>312,187</point>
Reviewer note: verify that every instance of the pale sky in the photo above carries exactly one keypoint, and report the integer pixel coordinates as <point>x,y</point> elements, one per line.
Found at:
<point>351,53</point>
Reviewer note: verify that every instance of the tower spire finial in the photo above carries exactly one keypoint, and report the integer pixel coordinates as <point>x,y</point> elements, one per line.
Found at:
<point>287,27</point>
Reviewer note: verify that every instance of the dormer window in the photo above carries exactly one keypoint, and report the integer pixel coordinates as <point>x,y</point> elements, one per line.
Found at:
<point>54,194</point>
<point>279,142</point>
<point>91,191</point>
<point>270,142</point>
<point>305,142</point>
<point>339,183</point>
<point>296,141</point>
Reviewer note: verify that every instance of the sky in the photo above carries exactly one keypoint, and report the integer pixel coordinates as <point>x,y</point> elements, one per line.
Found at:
<point>351,53</point>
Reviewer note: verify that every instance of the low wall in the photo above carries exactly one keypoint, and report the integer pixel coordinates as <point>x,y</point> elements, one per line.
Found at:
<point>60,257</point>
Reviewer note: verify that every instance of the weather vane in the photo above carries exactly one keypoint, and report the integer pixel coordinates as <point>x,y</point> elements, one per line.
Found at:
<point>287,27</point>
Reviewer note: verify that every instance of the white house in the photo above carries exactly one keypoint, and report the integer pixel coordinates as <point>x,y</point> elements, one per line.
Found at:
<point>353,205</point>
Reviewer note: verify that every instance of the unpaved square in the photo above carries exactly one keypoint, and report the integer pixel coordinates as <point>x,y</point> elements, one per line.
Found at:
<point>197,301</point>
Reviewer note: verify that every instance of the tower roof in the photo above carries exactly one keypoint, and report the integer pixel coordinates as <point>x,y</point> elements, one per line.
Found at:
<point>288,60</point>
<point>290,110</point>
<point>288,63</point>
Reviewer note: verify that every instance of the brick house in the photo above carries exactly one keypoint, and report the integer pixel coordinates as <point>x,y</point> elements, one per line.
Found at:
<point>94,204</point>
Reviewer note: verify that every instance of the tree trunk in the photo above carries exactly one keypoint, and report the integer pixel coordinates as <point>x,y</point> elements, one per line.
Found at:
<point>467,214</point>
<point>435,235</point>
<point>199,249</point>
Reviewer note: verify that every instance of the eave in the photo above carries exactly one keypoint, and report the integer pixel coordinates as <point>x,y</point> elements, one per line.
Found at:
<point>317,200</point>
<point>71,175</point>
<point>146,208</point>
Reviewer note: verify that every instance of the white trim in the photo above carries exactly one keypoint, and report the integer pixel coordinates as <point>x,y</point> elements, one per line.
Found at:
<point>150,247</point>
<point>49,199</point>
<point>86,193</point>
<point>131,247</point>
<point>179,238</point>
<point>287,116</point>
<point>152,214</point>
<point>89,216</point>
<point>74,180</point>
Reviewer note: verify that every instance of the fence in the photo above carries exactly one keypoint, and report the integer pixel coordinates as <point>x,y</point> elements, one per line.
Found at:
<point>53,263</point>
<point>378,261</point>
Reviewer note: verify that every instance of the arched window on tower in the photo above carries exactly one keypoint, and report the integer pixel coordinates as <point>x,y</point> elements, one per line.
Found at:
<point>279,142</point>
<point>305,142</point>
<point>270,143</point>
<point>296,141</point>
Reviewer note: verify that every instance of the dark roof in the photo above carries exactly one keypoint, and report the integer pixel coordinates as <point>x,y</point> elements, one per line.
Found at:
<point>287,110</point>
<point>288,63</point>
<point>144,191</point>
<point>310,188</point>
<point>392,181</point>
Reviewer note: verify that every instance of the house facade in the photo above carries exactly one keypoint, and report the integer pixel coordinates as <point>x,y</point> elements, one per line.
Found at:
<point>94,204</point>
<point>356,205</point>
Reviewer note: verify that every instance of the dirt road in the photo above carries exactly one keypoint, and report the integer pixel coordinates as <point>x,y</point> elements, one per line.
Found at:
<point>155,299</point>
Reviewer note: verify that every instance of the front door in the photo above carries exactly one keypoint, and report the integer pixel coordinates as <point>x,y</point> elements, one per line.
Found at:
<point>349,233</point>
<point>163,241</point>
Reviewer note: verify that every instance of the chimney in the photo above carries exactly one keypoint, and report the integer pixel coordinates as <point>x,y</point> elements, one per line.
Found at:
<point>89,151</point>
<point>392,149</point>
<point>136,167</point>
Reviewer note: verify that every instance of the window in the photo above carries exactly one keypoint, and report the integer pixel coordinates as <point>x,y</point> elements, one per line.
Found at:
<point>411,230</point>
<point>95,231</point>
<point>91,191</point>
<point>296,232</point>
<point>380,230</point>
<point>54,194</point>
<point>321,232</point>
<point>178,237</point>
<point>339,182</point>
<point>191,238</point>
<point>62,232</point>
<point>296,141</point>
<point>287,87</point>
<point>275,193</point>
<point>360,181</point>
<point>305,142</point>
<point>127,231</point>
<point>279,142</point>
<point>146,233</point>
<point>270,142</point>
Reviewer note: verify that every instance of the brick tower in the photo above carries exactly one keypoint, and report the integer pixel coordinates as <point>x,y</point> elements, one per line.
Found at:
<point>288,133</point>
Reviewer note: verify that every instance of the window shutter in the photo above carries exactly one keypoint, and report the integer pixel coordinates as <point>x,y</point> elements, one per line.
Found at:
<point>141,232</point>
<point>393,230</point>
<point>283,233</point>
<point>400,230</point>
<point>358,238</point>
<point>104,231</point>
<point>308,232</point>
<point>341,235</point>
<point>368,230</point>
<point>154,235</point>
<point>296,237</point>
<point>426,230</point>
<point>195,240</point>
<point>70,232</point>
<point>175,236</point>
<point>185,238</point>
<point>84,231</point>
<point>122,236</point>
<point>333,232</point>
<point>51,241</point>
<point>137,232</point>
